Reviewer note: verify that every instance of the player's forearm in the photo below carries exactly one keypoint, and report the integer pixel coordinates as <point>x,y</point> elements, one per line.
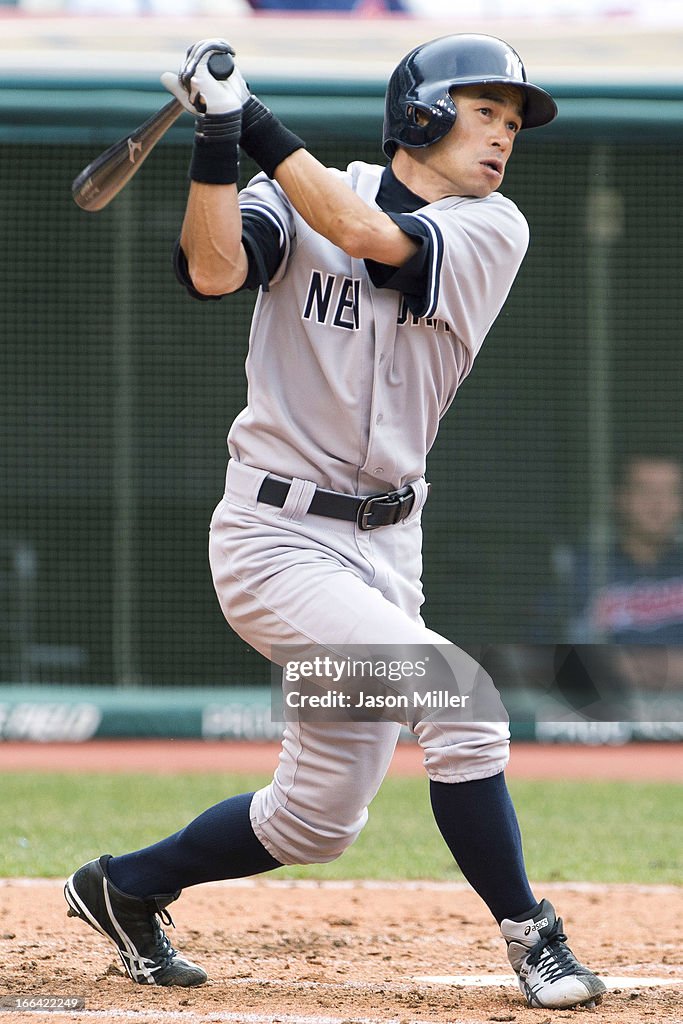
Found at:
<point>211,239</point>
<point>330,207</point>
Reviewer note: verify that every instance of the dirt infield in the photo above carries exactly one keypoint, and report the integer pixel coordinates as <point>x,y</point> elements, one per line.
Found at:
<point>343,953</point>
<point>317,953</point>
<point>637,762</point>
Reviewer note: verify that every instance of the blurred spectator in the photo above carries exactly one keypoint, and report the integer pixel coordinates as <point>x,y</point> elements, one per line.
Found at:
<point>631,593</point>
<point>331,6</point>
<point>129,8</point>
<point>18,573</point>
<point>200,7</point>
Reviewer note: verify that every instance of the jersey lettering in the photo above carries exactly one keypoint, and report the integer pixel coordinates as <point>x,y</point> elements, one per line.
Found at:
<point>345,312</point>
<point>406,317</point>
<point>319,296</point>
<point>349,299</point>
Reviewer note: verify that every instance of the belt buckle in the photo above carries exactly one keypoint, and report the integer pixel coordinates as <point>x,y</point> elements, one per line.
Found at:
<point>393,499</point>
<point>365,511</point>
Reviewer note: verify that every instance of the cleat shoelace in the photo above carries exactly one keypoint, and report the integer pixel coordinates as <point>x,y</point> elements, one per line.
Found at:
<point>162,952</point>
<point>558,959</point>
<point>162,941</point>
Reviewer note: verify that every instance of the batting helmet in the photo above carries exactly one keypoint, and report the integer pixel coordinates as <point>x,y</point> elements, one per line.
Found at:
<point>422,81</point>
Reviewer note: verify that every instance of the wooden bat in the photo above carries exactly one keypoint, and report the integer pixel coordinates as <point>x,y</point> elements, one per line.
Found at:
<point>103,178</point>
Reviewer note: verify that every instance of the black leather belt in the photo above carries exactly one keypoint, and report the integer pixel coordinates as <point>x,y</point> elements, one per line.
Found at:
<point>369,513</point>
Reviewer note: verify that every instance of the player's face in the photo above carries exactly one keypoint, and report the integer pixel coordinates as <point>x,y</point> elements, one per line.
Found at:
<point>651,500</point>
<point>471,159</point>
<point>477,148</point>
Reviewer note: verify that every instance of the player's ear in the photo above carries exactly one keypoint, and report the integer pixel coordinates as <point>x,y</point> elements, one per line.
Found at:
<point>421,119</point>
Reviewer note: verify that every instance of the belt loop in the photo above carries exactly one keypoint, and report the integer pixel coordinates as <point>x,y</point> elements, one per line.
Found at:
<point>297,501</point>
<point>242,483</point>
<point>421,489</point>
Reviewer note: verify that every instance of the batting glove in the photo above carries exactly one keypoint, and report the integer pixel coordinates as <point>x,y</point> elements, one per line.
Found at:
<point>208,81</point>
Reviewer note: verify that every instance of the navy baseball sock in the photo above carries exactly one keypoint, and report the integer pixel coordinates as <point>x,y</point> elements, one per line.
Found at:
<point>478,821</point>
<point>220,843</point>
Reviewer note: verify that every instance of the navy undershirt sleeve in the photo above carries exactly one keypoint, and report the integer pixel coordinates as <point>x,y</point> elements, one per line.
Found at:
<point>411,279</point>
<point>261,241</point>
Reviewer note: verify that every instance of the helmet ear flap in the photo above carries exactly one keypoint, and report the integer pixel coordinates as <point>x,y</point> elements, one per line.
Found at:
<point>426,123</point>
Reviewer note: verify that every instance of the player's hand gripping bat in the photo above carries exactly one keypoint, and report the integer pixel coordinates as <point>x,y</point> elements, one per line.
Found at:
<point>101,180</point>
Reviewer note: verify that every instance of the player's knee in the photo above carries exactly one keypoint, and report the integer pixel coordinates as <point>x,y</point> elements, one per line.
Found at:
<point>292,839</point>
<point>318,846</point>
<point>461,755</point>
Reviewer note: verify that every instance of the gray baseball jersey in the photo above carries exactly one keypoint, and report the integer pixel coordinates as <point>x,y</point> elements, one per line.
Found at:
<point>348,381</point>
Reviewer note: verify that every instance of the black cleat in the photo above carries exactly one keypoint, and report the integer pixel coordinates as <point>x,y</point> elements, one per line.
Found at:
<point>132,924</point>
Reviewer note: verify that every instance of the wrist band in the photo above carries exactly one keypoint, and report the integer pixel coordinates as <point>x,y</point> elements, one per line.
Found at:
<point>264,138</point>
<point>215,152</point>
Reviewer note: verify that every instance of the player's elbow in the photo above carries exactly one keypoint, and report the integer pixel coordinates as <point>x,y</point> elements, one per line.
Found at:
<point>376,237</point>
<point>351,232</point>
<point>215,281</point>
<point>211,271</point>
<point>357,249</point>
<point>356,239</point>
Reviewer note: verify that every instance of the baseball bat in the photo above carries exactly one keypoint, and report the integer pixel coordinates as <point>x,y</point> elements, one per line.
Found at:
<point>103,178</point>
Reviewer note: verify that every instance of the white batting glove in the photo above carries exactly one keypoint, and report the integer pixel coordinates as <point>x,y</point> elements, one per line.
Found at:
<point>208,81</point>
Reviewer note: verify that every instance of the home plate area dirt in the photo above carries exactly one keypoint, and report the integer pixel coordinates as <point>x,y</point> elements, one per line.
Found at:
<point>336,953</point>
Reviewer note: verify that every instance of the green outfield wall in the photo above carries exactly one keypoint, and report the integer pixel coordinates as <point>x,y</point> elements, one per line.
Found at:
<point>78,714</point>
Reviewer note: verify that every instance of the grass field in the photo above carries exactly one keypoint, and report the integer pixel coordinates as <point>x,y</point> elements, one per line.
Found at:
<point>585,831</point>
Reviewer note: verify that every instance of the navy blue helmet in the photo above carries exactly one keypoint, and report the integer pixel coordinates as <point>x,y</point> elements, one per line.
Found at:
<point>421,84</point>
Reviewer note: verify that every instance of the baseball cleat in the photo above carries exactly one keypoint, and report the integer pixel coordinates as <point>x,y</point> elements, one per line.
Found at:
<point>132,924</point>
<point>548,973</point>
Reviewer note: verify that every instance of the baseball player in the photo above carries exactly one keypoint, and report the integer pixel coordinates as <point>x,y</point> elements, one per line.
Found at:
<point>376,288</point>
